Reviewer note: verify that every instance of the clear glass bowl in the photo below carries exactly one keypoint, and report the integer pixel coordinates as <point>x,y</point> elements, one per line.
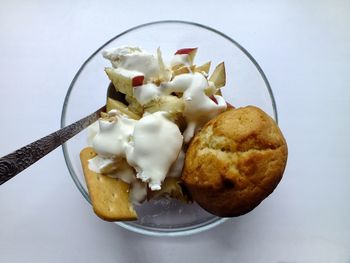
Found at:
<point>246,84</point>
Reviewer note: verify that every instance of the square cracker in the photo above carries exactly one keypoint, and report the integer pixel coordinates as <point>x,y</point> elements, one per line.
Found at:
<point>109,196</point>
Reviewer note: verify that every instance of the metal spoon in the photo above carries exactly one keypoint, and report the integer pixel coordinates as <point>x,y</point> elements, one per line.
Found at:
<point>15,162</point>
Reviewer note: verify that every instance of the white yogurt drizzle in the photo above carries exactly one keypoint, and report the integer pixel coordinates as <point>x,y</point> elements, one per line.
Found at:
<point>199,108</point>
<point>151,145</point>
<point>113,136</point>
<point>157,143</point>
<point>145,93</point>
<point>133,59</point>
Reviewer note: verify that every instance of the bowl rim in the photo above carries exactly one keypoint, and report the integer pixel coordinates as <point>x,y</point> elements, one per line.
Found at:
<point>129,226</point>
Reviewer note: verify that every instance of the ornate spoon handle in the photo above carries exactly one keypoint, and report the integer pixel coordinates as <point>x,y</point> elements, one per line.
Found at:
<point>14,163</point>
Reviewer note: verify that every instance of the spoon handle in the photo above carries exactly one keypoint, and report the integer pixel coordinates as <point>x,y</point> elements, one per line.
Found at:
<point>14,163</point>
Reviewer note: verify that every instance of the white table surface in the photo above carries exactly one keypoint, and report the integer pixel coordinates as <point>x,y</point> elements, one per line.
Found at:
<point>304,49</point>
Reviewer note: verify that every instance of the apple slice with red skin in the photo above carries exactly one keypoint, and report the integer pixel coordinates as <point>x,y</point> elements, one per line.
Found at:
<point>185,51</point>
<point>229,106</point>
<point>190,52</point>
<point>212,97</point>
<point>138,81</point>
<point>203,68</point>
<point>219,76</point>
<point>123,81</point>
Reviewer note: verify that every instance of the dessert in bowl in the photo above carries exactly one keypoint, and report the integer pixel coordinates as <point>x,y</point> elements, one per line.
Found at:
<point>168,106</point>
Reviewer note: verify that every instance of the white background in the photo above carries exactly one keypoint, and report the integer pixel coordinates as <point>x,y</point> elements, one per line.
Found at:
<point>304,49</point>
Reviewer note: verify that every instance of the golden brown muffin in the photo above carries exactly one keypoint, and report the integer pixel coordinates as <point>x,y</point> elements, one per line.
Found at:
<point>235,161</point>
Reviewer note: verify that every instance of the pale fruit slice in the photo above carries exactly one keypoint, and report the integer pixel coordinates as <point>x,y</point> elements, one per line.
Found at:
<point>164,72</point>
<point>203,68</point>
<point>180,70</point>
<point>169,103</point>
<point>124,80</point>
<point>219,76</point>
<point>211,89</point>
<point>177,66</point>
<point>190,52</point>
<point>171,187</point>
<point>117,105</point>
<point>173,105</point>
<point>109,196</point>
<point>134,105</point>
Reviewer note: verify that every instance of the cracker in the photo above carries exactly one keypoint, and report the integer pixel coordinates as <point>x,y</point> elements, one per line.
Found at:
<point>109,196</point>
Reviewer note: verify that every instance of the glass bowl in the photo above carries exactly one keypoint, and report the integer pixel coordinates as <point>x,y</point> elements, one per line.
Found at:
<point>246,84</point>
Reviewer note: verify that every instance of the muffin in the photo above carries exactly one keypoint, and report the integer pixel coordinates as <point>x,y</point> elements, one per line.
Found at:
<point>235,161</point>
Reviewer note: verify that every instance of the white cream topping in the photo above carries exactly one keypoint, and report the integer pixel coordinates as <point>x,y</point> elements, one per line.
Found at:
<point>113,54</point>
<point>157,143</point>
<point>145,93</point>
<point>92,130</point>
<point>135,59</point>
<point>199,108</point>
<point>114,136</point>
<point>97,163</point>
<point>152,145</point>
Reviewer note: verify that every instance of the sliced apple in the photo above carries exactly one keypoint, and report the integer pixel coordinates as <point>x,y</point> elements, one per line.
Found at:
<point>211,89</point>
<point>124,80</point>
<point>117,105</point>
<point>171,104</point>
<point>164,72</point>
<point>229,106</point>
<point>190,52</point>
<point>219,76</point>
<point>176,67</point>
<point>171,187</point>
<point>134,105</point>
<point>180,70</point>
<point>212,97</point>
<point>203,68</point>
<point>186,51</point>
<point>218,92</point>
<point>137,81</point>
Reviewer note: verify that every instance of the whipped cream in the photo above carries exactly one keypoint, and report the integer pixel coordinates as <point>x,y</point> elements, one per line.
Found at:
<point>114,135</point>
<point>98,163</point>
<point>150,145</point>
<point>92,130</point>
<point>133,59</point>
<point>199,108</point>
<point>147,92</point>
<point>157,143</point>
<point>145,151</point>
